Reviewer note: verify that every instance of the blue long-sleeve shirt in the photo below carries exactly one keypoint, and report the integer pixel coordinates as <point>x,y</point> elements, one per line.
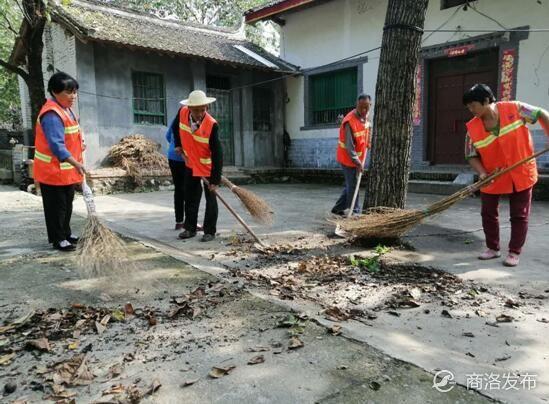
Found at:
<point>172,155</point>
<point>54,130</point>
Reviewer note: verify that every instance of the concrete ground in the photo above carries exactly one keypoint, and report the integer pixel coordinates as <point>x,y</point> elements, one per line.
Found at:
<point>232,327</point>
<point>469,344</point>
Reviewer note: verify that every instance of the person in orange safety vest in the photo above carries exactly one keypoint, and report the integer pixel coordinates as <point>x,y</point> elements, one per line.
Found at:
<point>497,137</point>
<point>58,164</point>
<point>199,144</point>
<point>352,145</point>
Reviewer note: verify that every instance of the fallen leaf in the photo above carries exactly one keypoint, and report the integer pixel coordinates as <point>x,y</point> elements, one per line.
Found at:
<point>256,360</point>
<point>504,318</point>
<point>42,344</point>
<point>415,293</point>
<point>128,309</point>
<point>100,328</point>
<point>6,359</point>
<point>114,371</point>
<point>115,389</point>
<point>511,303</point>
<point>543,320</point>
<point>74,345</point>
<point>79,323</point>
<point>336,314</point>
<point>105,320</point>
<point>295,343</point>
<point>259,348</point>
<point>374,385</point>
<point>446,313</point>
<point>151,319</point>
<point>394,313</point>
<point>470,354</point>
<point>155,385</point>
<point>492,324</point>
<point>218,371</point>
<point>335,329</point>
<point>190,382</point>
<point>78,306</point>
<point>503,358</point>
<point>118,315</point>
<point>468,334</point>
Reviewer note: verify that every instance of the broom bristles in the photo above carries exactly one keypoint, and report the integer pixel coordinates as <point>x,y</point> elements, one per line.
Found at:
<point>100,252</point>
<point>256,206</point>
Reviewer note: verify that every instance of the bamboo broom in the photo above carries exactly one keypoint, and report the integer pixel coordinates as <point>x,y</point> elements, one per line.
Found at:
<point>100,252</point>
<point>383,222</point>
<point>260,210</point>
<point>236,215</point>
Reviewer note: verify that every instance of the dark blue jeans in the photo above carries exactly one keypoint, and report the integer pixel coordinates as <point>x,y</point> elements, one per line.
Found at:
<point>346,198</point>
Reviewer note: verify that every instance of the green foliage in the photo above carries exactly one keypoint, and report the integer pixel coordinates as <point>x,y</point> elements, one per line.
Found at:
<point>371,264</point>
<point>10,20</point>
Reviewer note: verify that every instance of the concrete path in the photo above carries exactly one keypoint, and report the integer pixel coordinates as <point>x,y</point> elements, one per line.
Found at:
<point>234,326</point>
<point>450,241</point>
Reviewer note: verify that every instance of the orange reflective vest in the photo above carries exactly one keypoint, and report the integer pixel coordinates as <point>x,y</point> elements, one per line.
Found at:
<point>513,143</point>
<point>361,137</point>
<point>196,145</point>
<point>47,168</point>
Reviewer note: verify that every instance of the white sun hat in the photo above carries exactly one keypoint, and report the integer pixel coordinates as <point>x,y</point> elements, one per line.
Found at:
<point>197,98</point>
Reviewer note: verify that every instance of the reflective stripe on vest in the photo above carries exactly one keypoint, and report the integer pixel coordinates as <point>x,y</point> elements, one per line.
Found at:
<point>342,145</point>
<point>503,131</point>
<point>47,167</point>
<point>361,133</point>
<point>72,130</point>
<point>43,157</point>
<point>513,144</point>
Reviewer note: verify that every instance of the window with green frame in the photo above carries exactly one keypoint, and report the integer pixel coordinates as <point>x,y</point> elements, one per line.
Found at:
<point>331,95</point>
<point>149,99</point>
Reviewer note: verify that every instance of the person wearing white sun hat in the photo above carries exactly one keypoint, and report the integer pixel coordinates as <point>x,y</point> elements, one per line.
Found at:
<point>198,143</point>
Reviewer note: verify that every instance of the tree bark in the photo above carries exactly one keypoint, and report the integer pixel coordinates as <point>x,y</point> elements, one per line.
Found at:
<point>394,99</point>
<point>34,43</point>
<point>31,37</point>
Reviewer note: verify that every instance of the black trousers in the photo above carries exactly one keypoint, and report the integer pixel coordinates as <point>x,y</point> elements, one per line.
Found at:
<point>178,176</point>
<point>193,194</point>
<point>57,201</point>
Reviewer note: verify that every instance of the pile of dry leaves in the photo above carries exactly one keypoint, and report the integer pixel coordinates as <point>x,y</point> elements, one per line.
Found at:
<point>140,157</point>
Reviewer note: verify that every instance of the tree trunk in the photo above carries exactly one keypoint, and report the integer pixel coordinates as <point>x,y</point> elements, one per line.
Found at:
<point>395,95</point>
<point>35,45</point>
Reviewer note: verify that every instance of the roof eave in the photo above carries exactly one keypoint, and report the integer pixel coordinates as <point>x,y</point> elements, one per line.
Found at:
<point>270,12</point>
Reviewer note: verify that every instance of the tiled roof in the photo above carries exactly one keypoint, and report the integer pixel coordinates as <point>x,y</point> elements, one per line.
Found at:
<point>98,22</point>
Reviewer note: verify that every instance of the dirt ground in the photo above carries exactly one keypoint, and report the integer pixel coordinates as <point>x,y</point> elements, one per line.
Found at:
<point>170,333</point>
<point>476,318</point>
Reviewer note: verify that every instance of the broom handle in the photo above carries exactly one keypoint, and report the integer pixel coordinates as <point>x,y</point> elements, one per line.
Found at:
<point>355,195</point>
<point>236,215</point>
<point>87,193</point>
<point>479,184</point>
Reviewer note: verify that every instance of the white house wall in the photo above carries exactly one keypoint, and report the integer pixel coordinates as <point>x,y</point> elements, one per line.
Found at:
<point>338,29</point>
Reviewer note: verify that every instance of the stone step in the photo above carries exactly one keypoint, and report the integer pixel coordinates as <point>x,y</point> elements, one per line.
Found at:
<point>433,187</point>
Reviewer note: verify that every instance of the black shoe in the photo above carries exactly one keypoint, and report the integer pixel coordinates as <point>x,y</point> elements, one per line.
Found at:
<point>338,212</point>
<point>186,234</point>
<point>69,247</point>
<point>207,237</point>
<point>73,240</point>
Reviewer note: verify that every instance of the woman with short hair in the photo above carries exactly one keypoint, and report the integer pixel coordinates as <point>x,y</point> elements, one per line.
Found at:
<point>58,164</point>
<point>497,137</point>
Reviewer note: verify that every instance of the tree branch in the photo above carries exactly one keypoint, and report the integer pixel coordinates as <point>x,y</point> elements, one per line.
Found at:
<point>14,69</point>
<point>25,14</point>
<point>9,26</point>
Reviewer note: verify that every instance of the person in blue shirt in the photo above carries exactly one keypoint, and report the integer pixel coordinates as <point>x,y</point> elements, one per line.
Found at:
<point>177,167</point>
<point>58,166</point>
